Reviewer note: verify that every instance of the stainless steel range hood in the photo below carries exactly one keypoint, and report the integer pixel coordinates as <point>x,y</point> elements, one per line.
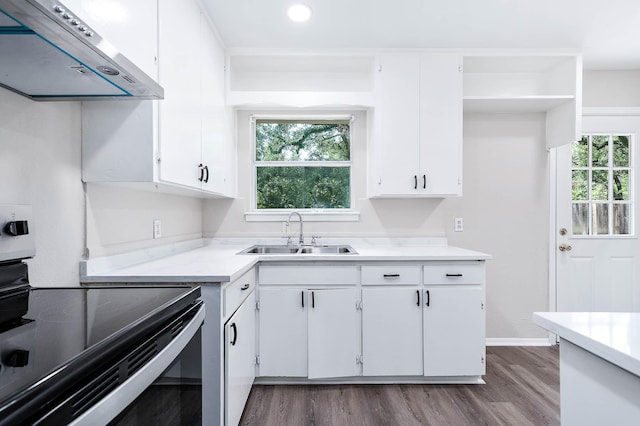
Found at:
<point>46,53</point>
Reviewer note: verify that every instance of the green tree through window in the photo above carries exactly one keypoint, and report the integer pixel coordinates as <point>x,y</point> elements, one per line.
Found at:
<point>303,164</point>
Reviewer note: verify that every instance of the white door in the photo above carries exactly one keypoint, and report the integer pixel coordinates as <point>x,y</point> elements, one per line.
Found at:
<point>595,237</point>
<point>240,352</point>
<point>334,338</point>
<point>283,332</point>
<point>392,331</point>
<point>453,331</point>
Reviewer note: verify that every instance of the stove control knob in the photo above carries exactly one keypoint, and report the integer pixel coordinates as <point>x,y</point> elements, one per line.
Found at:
<point>16,358</point>
<point>17,227</point>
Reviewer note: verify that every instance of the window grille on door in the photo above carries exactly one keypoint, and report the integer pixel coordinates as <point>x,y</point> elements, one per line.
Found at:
<point>601,185</point>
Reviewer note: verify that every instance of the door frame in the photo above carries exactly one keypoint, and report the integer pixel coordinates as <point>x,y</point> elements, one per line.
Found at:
<point>553,175</point>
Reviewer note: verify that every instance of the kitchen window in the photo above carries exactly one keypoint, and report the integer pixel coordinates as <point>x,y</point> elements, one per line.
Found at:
<point>601,185</point>
<point>302,164</point>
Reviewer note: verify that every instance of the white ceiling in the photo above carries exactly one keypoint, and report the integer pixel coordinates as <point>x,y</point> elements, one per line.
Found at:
<point>606,31</point>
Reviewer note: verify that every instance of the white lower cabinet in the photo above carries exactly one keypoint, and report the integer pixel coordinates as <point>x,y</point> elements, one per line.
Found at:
<point>308,333</point>
<point>454,335</point>
<point>392,331</point>
<point>239,349</point>
<point>282,333</point>
<point>334,337</point>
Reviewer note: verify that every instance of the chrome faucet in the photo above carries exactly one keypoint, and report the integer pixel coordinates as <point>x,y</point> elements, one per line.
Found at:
<point>301,239</point>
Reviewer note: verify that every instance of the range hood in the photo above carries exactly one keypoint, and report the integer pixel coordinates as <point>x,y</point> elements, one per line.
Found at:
<point>47,53</point>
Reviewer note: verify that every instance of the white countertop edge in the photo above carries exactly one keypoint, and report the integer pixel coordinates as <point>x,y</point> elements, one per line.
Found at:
<point>561,324</point>
<point>218,261</point>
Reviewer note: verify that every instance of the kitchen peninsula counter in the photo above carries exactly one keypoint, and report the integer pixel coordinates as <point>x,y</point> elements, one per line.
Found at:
<point>599,366</point>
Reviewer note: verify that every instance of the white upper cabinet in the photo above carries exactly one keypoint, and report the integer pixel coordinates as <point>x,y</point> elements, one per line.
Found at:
<point>181,144</point>
<point>513,83</point>
<point>415,142</point>
<point>131,27</point>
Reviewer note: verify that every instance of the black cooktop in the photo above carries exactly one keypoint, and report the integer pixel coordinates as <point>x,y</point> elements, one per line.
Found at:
<point>64,328</point>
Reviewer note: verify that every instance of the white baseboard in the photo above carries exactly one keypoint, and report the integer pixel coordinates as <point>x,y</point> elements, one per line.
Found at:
<point>499,341</point>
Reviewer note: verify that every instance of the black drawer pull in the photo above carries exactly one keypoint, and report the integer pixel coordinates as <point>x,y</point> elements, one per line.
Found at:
<point>313,299</point>
<point>302,297</point>
<point>391,275</point>
<point>454,275</point>
<point>418,294</point>
<point>428,298</point>
<point>245,287</point>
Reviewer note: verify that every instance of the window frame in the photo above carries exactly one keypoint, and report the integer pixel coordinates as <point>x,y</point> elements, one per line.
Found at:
<point>325,215</point>
<point>610,168</point>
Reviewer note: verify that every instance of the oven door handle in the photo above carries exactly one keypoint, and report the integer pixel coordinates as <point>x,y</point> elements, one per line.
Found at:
<point>110,406</point>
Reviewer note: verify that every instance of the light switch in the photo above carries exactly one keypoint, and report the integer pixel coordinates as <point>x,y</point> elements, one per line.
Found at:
<point>458,225</point>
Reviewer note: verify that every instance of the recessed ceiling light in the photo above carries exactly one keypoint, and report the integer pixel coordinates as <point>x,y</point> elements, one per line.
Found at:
<point>299,12</point>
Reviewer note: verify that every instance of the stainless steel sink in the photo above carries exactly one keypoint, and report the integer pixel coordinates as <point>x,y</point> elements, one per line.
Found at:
<point>284,249</point>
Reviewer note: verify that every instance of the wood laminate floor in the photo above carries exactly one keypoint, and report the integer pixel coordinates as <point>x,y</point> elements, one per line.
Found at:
<point>523,388</point>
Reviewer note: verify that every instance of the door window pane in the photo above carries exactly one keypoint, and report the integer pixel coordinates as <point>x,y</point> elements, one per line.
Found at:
<point>621,219</point>
<point>600,225</point>
<point>620,184</point>
<point>621,151</point>
<point>580,152</point>
<point>600,185</point>
<point>580,219</point>
<point>579,187</point>
<point>600,151</point>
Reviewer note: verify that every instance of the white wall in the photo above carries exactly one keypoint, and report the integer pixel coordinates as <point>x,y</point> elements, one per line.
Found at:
<point>40,165</point>
<point>121,219</point>
<point>505,208</point>
<point>405,218</point>
<point>611,88</point>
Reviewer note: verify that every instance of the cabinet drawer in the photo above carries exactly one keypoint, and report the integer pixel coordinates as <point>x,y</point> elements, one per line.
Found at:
<point>309,275</point>
<point>235,293</point>
<point>391,274</point>
<point>454,273</point>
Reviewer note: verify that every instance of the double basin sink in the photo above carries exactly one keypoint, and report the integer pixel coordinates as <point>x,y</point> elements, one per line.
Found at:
<point>284,249</point>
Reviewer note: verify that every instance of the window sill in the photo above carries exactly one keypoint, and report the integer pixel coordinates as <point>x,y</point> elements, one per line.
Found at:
<point>307,216</point>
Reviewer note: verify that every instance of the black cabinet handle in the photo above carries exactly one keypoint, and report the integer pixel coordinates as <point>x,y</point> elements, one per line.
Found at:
<point>206,169</point>
<point>428,299</point>
<point>391,275</point>
<point>235,334</point>
<point>415,181</point>
<point>424,181</point>
<point>245,287</point>
<point>453,275</point>
<point>418,294</point>
<point>302,298</point>
<point>201,167</point>
<point>313,299</point>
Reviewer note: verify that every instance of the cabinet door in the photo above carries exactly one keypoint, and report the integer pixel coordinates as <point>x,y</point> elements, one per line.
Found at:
<point>283,333</point>
<point>392,331</point>
<point>397,120</point>
<point>453,331</point>
<point>334,338</point>
<point>180,115</point>
<point>240,339</point>
<point>215,146</point>
<point>441,124</point>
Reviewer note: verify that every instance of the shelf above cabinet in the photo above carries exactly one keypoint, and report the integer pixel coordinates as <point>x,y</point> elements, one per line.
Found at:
<point>505,104</point>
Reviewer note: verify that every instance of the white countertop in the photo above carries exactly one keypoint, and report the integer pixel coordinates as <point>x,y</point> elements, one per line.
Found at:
<point>218,261</point>
<point>613,336</point>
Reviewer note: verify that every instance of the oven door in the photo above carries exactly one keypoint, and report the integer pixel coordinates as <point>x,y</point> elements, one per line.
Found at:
<point>167,390</point>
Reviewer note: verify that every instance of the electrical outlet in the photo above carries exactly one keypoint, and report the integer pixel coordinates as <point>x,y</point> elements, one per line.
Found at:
<point>157,228</point>
<point>458,226</point>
